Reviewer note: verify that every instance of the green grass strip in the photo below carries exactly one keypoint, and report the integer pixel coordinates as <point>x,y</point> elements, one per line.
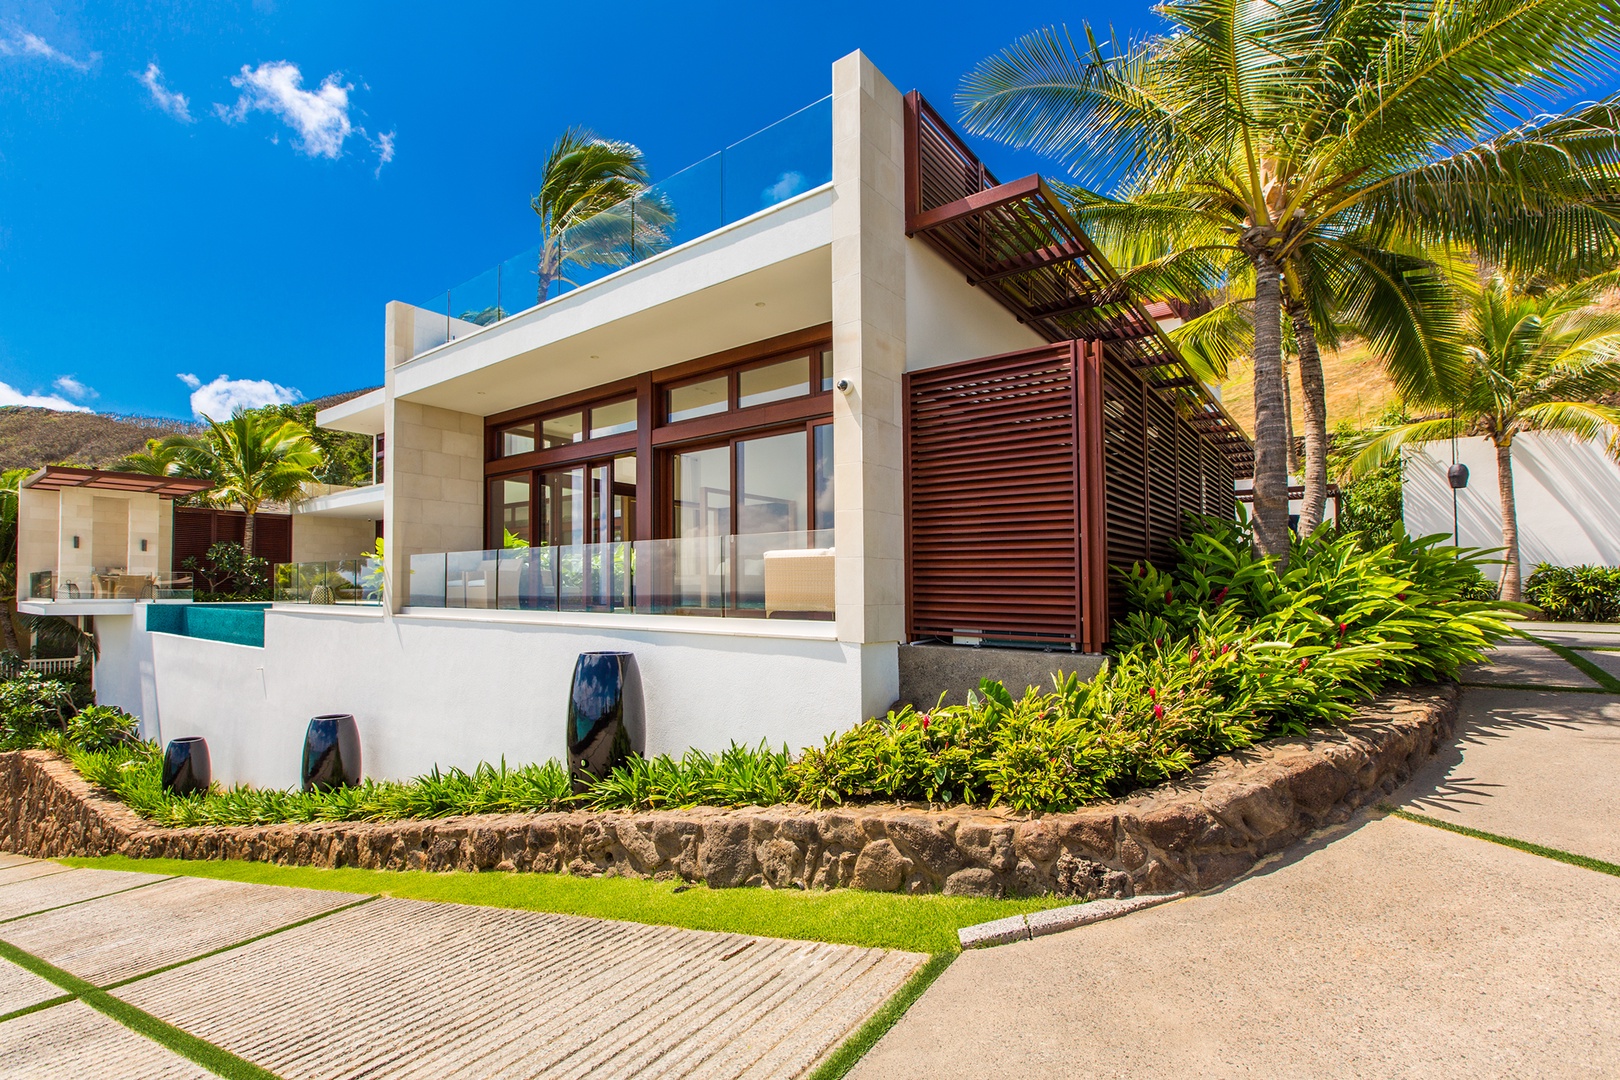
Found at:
<point>925,924</point>
<point>1541,687</point>
<point>214,1059</point>
<point>856,1046</point>
<point>36,1007</point>
<point>237,944</point>
<point>1586,667</point>
<point>1583,861</point>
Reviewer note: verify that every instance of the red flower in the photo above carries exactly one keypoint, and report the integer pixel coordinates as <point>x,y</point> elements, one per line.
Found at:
<point>1169,596</point>
<point>1225,649</point>
<point>1378,663</point>
<point>1159,641</point>
<point>1400,596</point>
<point>1218,597</point>
<point>1158,712</point>
<point>925,721</point>
<point>1342,628</point>
<point>1141,571</point>
<point>1153,693</point>
<point>1304,663</point>
<point>1192,656</point>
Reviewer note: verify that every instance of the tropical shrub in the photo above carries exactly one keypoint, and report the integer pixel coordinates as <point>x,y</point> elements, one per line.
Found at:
<point>229,573</point>
<point>102,727</point>
<point>30,707</point>
<point>1575,593</point>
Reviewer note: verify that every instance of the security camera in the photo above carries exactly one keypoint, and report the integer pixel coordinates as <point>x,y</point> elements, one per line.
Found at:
<point>844,386</point>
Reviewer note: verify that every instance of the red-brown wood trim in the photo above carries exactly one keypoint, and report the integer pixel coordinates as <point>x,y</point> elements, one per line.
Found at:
<point>563,456</point>
<point>1010,192</point>
<point>758,350</point>
<point>905,444</point>
<point>1093,499</point>
<point>646,464</point>
<point>796,410</point>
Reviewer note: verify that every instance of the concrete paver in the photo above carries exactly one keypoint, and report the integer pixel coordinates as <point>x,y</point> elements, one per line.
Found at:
<point>8,859</point>
<point>53,890</point>
<point>1518,662</point>
<point>73,1040</point>
<point>20,988</point>
<point>10,875</point>
<point>124,934</point>
<point>1608,661</point>
<point>1393,950</point>
<point>1574,634</point>
<point>408,989</point>
<point>1533,765</point>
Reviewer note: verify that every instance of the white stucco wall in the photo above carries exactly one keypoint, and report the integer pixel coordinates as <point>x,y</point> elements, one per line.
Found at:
<point>1567,494</point>
<point>948,320</point>
<point>453,690</point>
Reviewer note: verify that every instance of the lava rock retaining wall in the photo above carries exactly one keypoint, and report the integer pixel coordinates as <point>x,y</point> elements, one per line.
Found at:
<point>1206,829</point>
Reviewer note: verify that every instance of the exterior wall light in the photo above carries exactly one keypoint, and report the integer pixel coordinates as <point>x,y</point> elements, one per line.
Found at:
<point>1457,476</point>
<point>143,545</point>
<point>75,541</point>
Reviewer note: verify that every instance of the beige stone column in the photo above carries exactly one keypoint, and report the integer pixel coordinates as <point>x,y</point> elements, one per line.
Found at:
<point>869,349</point>
<point>433,498</point>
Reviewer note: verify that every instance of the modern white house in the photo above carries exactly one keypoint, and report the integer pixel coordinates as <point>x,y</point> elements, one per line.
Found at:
<point>840,419</point>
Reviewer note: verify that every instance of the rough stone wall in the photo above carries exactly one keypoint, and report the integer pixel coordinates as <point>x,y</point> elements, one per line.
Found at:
<point>1207,829</point>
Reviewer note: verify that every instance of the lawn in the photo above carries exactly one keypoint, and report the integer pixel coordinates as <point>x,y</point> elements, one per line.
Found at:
<point>844,916</point>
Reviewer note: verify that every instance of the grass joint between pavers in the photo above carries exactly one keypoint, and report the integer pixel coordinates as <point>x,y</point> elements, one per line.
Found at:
<point>842,1060</point>
<point>1585,862</point>
<point>1580,663</point>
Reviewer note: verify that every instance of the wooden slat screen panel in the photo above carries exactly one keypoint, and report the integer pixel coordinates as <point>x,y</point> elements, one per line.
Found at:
<point>1163,479</point>
<point>196,530</point>
<point>992,534</point>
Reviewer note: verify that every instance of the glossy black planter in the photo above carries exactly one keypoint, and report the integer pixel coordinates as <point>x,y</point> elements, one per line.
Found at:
<point>606,721</point>
<point>186,768</point>
<point>331,753</point>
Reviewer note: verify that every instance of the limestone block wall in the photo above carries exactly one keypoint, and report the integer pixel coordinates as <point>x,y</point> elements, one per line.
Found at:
<point>434,499</point>
<point>38,530</point>
<point>317,538</point>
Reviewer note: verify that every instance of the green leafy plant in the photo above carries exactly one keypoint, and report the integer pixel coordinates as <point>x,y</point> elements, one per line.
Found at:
<point>30,707</point>
<point>102,727</point>
<point>1575,593</point>
<point>230,573</point>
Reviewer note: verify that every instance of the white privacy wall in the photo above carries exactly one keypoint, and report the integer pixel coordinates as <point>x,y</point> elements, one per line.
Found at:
<point>1567,493</point>
<point>948,320</point>
<point>454,691</point>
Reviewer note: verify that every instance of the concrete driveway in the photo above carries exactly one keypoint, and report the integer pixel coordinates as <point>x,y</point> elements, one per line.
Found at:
<point>1387,948</point>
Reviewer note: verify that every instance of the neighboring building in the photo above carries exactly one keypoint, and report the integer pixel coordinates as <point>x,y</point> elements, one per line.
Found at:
<point>1566,494</point>
<point>846,395</point>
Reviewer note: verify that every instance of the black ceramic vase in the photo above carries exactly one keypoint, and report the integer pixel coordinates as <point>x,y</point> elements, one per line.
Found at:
<point>606,718</point>
<point>331,753</point>
<point>186,768</point>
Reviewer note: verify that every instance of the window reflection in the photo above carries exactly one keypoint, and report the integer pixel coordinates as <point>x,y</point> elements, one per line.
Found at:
<point>697,399</point>
<point>773,382</point>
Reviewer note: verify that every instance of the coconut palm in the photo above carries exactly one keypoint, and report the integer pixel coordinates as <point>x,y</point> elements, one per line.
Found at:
<point>251,459</point>
<point>587,216</point>
<point>10,484</point>
<point>161,457</point>
<point>1320,148</point>
<point>1539,359</point>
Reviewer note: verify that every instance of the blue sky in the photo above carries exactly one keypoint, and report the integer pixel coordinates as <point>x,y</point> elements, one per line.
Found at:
<point>208,203</point>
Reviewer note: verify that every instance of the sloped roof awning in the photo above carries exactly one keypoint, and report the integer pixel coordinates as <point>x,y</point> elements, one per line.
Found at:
<point>1019,242</point>
<point>57,477</point>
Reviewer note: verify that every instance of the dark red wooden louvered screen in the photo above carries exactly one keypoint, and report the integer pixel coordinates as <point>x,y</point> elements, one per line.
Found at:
<point>196,530</point>
<point>993,500</point>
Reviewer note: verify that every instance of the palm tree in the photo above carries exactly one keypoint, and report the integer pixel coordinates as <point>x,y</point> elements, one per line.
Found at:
<point>1539,359</point>
<point>160,458</point>
<point>1320,148</point>
<point>251,459</point>
<point>10,484</point>
<point>594,207</point>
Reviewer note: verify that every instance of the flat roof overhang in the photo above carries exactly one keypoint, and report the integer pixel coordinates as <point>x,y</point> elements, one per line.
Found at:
<point>361,414</point>
<point>69,608</point>
<point>365,503</point>
<point>761,277</point>
<point>58,477</point>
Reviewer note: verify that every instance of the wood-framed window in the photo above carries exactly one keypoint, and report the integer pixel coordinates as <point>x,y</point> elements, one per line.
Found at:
<point>643,429</point>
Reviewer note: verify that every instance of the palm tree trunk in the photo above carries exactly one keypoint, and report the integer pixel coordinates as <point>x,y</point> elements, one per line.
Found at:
<point>248,530</point>
<point>1314,394</point>
<point>1510,521</point>
<point>1288,420</point>
<point>1270,425</point>
<point>10,627</point>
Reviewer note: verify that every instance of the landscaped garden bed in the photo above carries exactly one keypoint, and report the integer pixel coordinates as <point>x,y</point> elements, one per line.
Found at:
<point>1241,709</point>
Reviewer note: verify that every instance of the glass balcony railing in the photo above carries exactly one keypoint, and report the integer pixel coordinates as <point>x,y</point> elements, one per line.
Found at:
<point>344,581</point>
<point>788,158</point>
<point>108,585</point>
<point>762,575</point>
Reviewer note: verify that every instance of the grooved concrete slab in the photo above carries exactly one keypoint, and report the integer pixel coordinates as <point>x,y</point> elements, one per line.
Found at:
<point>20,988</point>
<point>1517,662</point>
<point>403,989</point>
<point>115,937</point>
<point>1394,950</point>
<point>51,891</point>
<point>10,875</point>
<point>1577,634</point>
<point>73,1040</point>
<point>1608,661</point>
<point>8,859</point>
<point>1532,765</point>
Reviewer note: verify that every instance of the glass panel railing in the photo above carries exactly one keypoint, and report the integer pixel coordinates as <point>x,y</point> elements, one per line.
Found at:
<point>108,585</point>
<point>792,156</point>
<point>339,581</point>
<point>762,575</point>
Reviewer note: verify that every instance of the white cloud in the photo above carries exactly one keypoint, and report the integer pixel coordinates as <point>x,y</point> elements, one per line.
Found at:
<point>787,184</point>
<point>170,101</point>
<point>22,43</point>
<point>384,145</point>
<point>73,388</point>
<point>320,117</point>
<point>223,396</point>
<point>10,395</point>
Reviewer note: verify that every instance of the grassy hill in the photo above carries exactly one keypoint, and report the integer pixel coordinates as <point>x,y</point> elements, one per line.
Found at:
<point>32,437</point>
<point>1358,391</point>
